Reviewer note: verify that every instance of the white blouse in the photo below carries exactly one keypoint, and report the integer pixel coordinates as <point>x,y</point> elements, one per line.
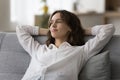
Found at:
<point>65,62</point>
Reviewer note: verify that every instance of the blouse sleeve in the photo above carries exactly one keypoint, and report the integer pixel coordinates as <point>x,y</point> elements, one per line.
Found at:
<point>102,33</point>
<point>26,40</point>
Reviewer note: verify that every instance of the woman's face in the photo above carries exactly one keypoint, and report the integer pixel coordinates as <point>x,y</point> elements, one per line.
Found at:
<point>58,28</point>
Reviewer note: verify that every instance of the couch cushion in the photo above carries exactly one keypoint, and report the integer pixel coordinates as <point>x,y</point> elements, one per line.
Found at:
<point>1,37</point>
<point>10,43</point>
<point>114,47</point>
<point>97,68</point>
<point>9,76</point>
<point>13,62</point>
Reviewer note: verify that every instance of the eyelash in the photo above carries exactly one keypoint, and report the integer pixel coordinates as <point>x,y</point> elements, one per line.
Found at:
<point>55,22</point>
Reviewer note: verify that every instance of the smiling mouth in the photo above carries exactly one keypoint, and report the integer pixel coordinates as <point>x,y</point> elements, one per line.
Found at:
<point>54,30</point>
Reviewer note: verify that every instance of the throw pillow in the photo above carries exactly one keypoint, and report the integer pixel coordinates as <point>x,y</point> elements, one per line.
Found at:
<point>97,68</point>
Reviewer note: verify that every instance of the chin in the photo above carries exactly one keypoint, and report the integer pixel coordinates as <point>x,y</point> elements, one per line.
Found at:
<point>54,36</point>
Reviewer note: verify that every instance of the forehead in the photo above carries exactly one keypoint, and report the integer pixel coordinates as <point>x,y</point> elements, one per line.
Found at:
<point>56,16</point>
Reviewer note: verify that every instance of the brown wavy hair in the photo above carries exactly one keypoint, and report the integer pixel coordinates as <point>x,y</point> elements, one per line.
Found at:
<point>76,36</point>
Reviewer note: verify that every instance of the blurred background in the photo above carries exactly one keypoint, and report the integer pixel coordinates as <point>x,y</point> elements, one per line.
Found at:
<point>36,12</point>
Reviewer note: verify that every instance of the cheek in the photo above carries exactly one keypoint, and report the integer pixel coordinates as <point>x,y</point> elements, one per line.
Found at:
<point>64,29</point>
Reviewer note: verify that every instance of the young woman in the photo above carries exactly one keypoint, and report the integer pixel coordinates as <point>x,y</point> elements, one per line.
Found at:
<point>65,52</point>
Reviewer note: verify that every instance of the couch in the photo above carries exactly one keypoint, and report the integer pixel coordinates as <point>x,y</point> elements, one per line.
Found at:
<point>14,60</point>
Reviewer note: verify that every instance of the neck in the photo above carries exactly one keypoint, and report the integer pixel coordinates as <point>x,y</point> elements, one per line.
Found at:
<point>58,42</point>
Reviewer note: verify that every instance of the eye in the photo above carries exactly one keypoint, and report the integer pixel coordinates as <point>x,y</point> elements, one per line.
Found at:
<point>50,22</point>
<point>59,21</point>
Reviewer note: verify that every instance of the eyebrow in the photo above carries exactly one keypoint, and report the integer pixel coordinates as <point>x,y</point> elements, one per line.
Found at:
<point>57,19</point>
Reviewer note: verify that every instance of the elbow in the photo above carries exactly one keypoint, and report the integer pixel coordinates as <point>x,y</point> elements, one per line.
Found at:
<point>21,28</point>
<point>111,28</point>
<point>18,27</point>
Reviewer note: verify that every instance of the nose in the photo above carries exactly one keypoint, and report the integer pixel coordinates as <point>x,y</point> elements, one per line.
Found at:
<point>54,24</point>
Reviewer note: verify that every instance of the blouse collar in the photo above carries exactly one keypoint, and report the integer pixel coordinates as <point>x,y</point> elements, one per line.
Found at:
<point>63,45</point>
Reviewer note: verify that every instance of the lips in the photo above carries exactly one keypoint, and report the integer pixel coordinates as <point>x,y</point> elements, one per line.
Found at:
<point>54,30</point>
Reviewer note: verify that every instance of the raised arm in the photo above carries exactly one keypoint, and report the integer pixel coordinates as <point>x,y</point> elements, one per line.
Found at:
<point>26,40</point>
<point>102,33</point>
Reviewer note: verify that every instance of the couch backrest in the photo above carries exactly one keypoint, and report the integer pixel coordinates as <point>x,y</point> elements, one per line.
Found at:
<point>14,59</point>
<point>114,47</point>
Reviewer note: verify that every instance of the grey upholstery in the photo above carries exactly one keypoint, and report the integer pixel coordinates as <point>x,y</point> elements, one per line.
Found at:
<point>114,47</point>
<point>97,68</point>
<point>14,60</point>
